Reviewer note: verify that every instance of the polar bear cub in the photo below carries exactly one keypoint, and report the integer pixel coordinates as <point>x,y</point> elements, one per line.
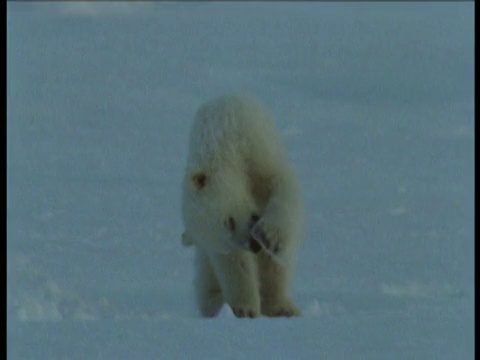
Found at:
<point>242,210</point>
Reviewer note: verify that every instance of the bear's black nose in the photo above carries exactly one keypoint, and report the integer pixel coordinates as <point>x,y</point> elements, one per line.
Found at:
<point>255,247</point>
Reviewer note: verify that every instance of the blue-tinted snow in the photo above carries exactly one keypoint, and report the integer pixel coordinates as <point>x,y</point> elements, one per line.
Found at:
<point>375,103</point>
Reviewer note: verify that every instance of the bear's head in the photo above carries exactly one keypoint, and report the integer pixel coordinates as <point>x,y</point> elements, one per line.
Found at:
<point>218,210</point>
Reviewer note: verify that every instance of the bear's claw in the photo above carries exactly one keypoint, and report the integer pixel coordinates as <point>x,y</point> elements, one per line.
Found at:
<point>242,313</point>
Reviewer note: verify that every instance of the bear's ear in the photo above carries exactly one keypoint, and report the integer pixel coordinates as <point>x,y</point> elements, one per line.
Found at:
<point>199,180</point>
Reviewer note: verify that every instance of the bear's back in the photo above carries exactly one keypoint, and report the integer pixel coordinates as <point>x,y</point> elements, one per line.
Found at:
<point>231,126</point>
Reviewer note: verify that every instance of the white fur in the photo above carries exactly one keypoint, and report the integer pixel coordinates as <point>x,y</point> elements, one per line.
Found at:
<point>237,166</point>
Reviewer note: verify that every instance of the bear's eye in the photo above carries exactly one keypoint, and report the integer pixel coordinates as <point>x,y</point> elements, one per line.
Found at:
<point>199,180</point>
<point>230,224</point>
<point>254,218</point>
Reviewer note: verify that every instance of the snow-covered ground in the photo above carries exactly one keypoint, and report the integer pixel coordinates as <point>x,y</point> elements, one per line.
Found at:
<point>376,106</point>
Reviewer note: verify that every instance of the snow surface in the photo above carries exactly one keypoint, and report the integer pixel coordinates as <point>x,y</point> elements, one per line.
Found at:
<point>376,105</point>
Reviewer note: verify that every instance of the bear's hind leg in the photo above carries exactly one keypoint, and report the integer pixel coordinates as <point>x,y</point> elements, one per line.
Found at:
<point>208,292</point>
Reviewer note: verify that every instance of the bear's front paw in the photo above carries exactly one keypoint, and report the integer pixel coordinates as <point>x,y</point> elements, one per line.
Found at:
<point>245,311</point>
<point>285,308</point>
<point>267,235</point>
